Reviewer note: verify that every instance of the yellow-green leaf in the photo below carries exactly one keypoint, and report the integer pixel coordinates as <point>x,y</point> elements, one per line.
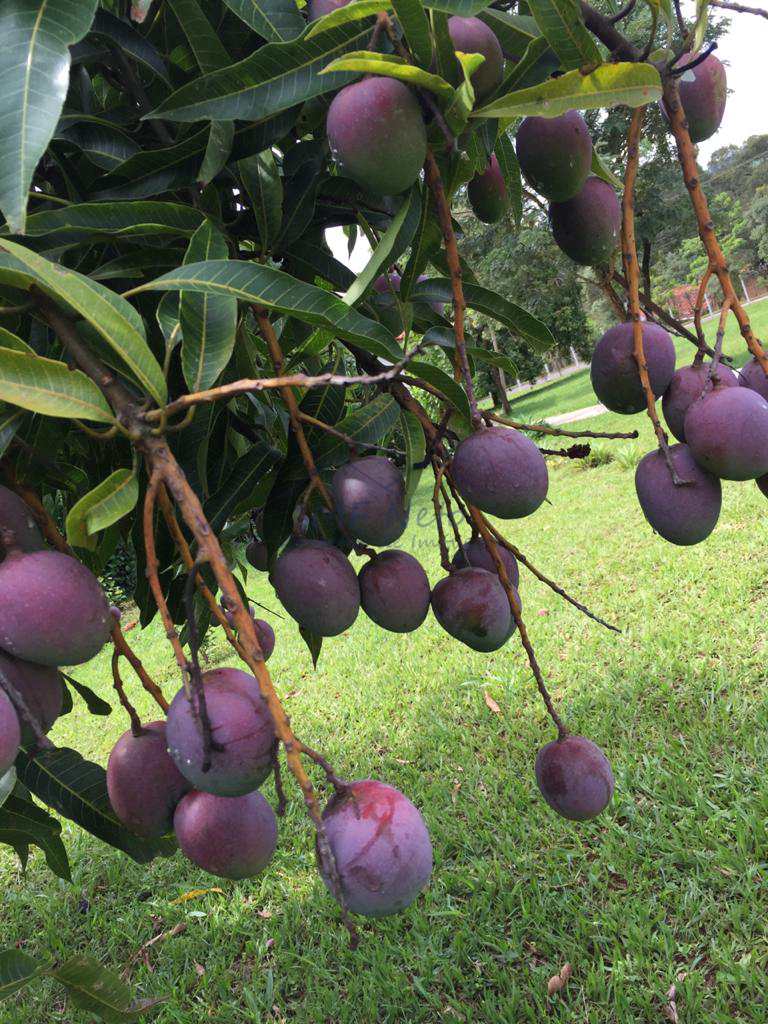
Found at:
<point>111,316</point>
<point>107,503</point>
<point>50,387</point>
<point>607,86</point>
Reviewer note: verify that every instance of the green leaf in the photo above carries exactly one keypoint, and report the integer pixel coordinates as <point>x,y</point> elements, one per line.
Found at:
<point>206,46</point>
<point>107,148</point>
<point>7,784</point>
<point>427,238</point>
<point>415,450</point>
<point>217,152</point>
<point>600,170</point>
<point>50,387</point>
<point>510,170</point>
<point>77,789</point>
<point>369,63</point>
<point>513,31</point>
<point>700,26</point>
<point>99,991</point>
<point>208,322</point>
<point>153,171</point>
<point>454,392</point>
<point>314,644</point>
<point>345,14</point>
<point>370,424</point>
<point>518,320</point>
<point>94,703</point>
<point>16,970</point>
<point>277,76</point>
<point>528,66</point>
<point>118,219</point>
<point>458,110</point>
<point>274,289</point>
<point>10,421</point>
<point>12,341</point>
<point>563,27</point>
<point>392,243</point>
<point>415,25</point>
<point>264,186</point>
<point>106,504</point>
<point>273,20</point>
<point>607,86</point>
<point>34,76</point>
<point>464,8</point>
<point>114,319</point>
<point>247,484</point>
<point>131,42</point>
<point>24,824</point>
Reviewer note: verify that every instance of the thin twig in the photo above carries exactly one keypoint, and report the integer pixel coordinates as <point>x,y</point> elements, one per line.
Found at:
<point>728,5</point>
<point>445,559</point>
<point>632,271</point>
<point>124,648</point>
<point>698,312</point>
<point>541,428</point>
<point>516,609</point>
<point>276,355</point>
<point>197,698</point>
<point>462,371</point>
<point>122,696</point>
<point>294,380</point>
<point>352,442</point>
<point>23,710</point>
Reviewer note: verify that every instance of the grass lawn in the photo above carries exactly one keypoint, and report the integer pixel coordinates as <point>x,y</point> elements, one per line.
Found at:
<point>575,391</point>
<point>667,887</point>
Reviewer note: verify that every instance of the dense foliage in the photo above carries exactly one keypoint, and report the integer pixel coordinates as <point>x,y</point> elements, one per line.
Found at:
<point>193,385</point>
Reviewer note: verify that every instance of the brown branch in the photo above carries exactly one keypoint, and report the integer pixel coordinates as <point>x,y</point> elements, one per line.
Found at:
<point>294,380</point>
<point>122,696</point>
<point>123,648</point>
<point>165,469</point>
<point>687,155</point>
<point>276,355</point>
<point>462,371</point>
<point>354,444</point>
<point>523,560</point>
<point>728,5</point>
<point>445,559</point>
<point>451,518</point>
<point>613,298</point>
<point>632,271</point>
<point>189,561</point>
<point>153,566</point>
<point>541,428</point>
<point>608,34</point>
<point>698,311</point>
<point>516,609</point>
<point>656,312</point>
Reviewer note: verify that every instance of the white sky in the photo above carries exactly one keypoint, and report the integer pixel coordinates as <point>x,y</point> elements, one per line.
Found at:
<point>744,50</point>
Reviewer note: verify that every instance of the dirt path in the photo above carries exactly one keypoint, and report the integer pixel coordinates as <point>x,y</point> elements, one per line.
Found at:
<point>575,415</point>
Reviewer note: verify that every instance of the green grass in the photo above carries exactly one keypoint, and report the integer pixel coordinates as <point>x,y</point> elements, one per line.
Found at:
<point>575,391</point>
<point>669,882</point>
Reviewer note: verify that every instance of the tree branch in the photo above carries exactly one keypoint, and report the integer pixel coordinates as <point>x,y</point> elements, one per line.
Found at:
<point>294,380</point>
<point>687,156</point>
<point>632,270</point>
